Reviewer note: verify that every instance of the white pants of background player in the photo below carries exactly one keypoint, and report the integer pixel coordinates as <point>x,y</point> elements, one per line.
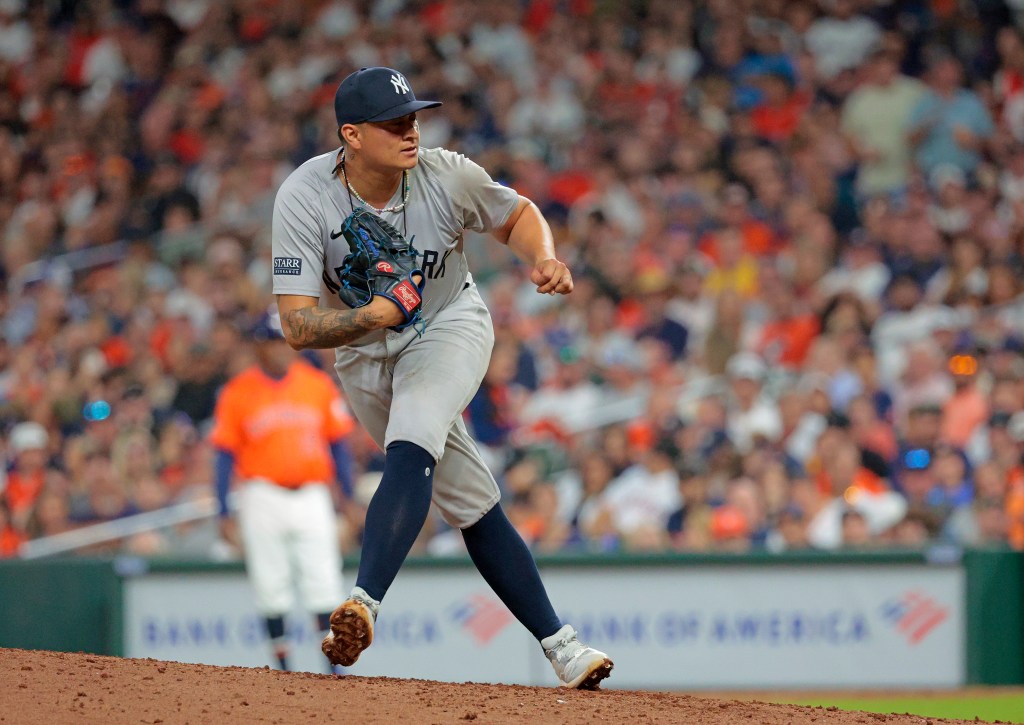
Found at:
<point>291,541</point>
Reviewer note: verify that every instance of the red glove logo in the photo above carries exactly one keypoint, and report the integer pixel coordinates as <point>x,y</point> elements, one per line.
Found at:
<point>408,296</point>
<point>384,267</point>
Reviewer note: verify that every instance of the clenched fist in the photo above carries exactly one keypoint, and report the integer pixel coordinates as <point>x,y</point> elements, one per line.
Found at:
<point>551,276</point>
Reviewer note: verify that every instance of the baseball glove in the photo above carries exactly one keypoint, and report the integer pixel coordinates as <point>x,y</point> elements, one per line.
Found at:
<point>381,262</point>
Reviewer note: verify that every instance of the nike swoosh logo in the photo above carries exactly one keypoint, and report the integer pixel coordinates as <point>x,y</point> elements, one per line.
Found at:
<point>335,235</point>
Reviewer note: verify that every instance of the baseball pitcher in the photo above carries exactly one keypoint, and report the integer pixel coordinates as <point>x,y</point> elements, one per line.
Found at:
<point>369,259</point>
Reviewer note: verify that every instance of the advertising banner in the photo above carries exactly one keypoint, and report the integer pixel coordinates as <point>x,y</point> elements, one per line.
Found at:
<point>705,627</point>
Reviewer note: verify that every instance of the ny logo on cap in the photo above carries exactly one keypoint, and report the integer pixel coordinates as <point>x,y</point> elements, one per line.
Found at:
<point>400,84</point>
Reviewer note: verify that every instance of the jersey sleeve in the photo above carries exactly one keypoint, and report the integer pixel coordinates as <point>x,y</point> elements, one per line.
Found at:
<point>481,203</point>
<point>227,430</point>
<point>297,239</point>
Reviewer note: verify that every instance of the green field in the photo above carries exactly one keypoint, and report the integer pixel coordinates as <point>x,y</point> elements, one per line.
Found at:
<point>990,706</point>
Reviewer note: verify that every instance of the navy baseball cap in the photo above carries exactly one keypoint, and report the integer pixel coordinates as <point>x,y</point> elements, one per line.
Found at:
<point>376,94</point>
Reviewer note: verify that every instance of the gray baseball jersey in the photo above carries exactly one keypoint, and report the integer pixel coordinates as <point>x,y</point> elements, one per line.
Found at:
<point>403,385</point>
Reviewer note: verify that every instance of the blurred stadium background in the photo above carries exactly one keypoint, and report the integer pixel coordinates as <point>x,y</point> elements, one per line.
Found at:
<point>774,438</point>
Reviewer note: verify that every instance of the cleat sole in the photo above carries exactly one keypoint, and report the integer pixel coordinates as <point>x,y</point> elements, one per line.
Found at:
<point>351,633</point>
<point>592,680</point>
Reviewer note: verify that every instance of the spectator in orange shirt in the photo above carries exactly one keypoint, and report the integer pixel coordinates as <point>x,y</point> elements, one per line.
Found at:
<point>28,444</point>
<point>1015,517</point>
<point>11,538</point>
<point>735,218</point>
<point>278,425</point>
<point>851,486</point>
<point>790,328</point>
<point>869,431</point>
<point>967,407</point>
<point>1014,431</point>
<point>779,114</point>
<point>845,470</point>
<point>730,530</point>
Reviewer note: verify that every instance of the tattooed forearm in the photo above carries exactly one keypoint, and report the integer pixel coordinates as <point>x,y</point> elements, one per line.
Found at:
<point>319,327</point>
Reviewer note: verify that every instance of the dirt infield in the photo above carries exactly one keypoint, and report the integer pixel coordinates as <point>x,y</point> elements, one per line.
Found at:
<point>55,687</point>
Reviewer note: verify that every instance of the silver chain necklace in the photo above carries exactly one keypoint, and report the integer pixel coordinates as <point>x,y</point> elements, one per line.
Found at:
<point>406,187</point>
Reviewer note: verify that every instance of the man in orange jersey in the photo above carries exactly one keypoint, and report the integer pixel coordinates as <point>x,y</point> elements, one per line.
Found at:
<point>280,426</point>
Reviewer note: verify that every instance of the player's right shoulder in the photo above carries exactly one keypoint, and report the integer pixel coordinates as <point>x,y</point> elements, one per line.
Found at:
<point>309,179</point>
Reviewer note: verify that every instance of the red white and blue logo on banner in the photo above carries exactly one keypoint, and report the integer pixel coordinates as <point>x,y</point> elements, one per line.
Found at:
<point>481,615</point>
<point>914,615</point>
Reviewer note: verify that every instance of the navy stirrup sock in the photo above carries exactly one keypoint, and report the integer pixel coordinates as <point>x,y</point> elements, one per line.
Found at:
<point>275,632</point>
<point>507,565</point>
<point>395,516</point>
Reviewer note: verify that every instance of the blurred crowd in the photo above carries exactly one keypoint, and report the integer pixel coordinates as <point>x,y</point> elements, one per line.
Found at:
<point>796,226</point>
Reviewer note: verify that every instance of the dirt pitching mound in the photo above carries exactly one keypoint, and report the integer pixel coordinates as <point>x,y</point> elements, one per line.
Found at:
<point>53,687</point>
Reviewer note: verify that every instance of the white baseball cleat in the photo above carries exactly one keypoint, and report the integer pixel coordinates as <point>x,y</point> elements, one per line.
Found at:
<point>576,664</point>
<point>351,628</point>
